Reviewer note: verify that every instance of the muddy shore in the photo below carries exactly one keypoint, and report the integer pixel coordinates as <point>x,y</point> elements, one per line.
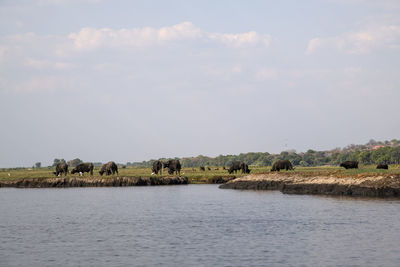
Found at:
<point>375,186</point>
<point>93,182</point>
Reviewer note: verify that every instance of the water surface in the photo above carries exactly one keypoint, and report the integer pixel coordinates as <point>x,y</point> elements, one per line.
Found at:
<point>194,225</point>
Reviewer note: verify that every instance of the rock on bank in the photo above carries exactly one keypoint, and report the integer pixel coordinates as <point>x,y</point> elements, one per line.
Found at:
<point>93,182</point>
<point>374,186</point>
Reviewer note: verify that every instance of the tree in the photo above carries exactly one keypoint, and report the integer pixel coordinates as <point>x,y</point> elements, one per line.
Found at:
<point>38,164</point>
<point>372,142</point>
<point>335,157</point>
<point>381,155</point>
<point>365,157</point>
<point>309,157</point>
<point>74,162</point>
<point>303,163</point>
<point>365,154</point>
<point>57,161</point>
<point>295,158</point>
<point>395,155</point>
<point>264,160</point>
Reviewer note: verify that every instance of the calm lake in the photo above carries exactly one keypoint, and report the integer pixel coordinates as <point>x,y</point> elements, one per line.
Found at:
<point>194,225</point>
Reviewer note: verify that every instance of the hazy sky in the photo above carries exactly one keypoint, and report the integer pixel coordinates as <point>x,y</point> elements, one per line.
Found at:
<point>135,80</point>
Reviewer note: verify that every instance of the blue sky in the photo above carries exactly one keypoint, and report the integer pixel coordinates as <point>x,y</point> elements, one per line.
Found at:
<point>135,80</point>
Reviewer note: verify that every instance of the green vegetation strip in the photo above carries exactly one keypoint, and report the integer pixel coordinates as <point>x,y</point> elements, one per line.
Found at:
<point>195,176</point>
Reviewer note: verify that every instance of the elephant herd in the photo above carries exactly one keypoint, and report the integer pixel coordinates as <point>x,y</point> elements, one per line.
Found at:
<point>174,166</point>
<point>108,168</point>
<point>354,165</point>
<point>285,164</point>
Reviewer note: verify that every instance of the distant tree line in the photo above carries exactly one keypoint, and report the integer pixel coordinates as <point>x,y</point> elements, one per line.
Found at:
<point>373,152</point>
<point>73,162</point>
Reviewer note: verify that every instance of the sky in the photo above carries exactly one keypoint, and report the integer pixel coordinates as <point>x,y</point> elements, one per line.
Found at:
<point>137,80</point>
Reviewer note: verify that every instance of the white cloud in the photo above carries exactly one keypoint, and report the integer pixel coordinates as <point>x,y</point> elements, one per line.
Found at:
<point>360,42</point>
<point>266,74</point>
<point>91,38</point>
<point>314,44</point>
<point>242,39</point>
<point>34,46</point>
<point>237,68</point>
<point>184,30</point>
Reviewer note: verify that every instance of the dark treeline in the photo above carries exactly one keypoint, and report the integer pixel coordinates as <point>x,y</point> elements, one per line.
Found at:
<point>74,162</point>
<point>373,152</point>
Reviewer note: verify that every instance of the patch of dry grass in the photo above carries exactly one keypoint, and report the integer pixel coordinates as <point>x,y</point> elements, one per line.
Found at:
<point>196,176</point>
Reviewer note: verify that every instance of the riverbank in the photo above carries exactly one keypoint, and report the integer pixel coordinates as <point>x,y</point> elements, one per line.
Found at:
<point>366,186</point>
<point>89,181</point>
<point>93,182</point>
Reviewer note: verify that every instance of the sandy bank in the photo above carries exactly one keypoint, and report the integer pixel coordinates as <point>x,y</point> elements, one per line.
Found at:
<point>93,182</point>
<point>378,186</point>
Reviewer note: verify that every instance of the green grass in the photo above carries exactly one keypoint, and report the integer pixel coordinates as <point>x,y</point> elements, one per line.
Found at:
<point>196,176</point>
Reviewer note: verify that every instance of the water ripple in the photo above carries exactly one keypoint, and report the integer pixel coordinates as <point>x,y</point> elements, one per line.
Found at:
<point>194,225</point>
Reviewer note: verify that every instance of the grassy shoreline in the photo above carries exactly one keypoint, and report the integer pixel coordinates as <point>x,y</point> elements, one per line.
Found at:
<point>195,176</point>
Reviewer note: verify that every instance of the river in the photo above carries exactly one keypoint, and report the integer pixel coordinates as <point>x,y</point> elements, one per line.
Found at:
<point>194,225</point>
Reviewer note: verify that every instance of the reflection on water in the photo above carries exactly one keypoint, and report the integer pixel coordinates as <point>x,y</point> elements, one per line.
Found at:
<point>194,225</point>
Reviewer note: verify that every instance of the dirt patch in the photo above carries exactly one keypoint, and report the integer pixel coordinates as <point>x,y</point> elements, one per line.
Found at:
<point>370,186</point>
